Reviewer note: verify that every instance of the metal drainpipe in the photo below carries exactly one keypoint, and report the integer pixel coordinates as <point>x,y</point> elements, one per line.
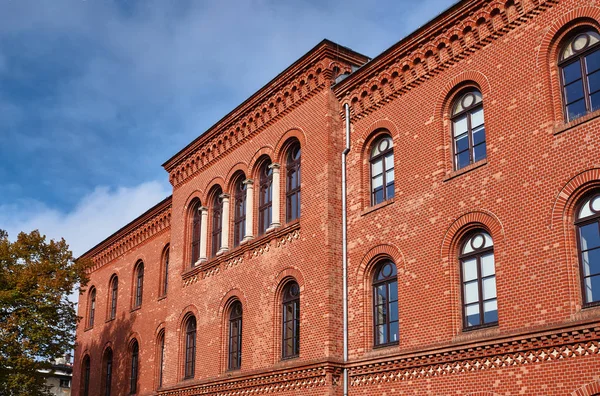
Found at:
<point>345,248</point>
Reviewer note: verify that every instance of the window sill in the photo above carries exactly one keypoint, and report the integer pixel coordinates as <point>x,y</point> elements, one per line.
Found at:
<point>576,122</point>
<point>88,328</point>
<point>466,169</point>
<point>161,298</point>
<point>378,206</point>
<point>241,249</point>
<point>477,332</point>
<point>135,309</point>
<point>588,311</point>
<point>109,320</point>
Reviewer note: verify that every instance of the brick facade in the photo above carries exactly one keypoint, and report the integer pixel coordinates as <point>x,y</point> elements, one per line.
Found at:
<point>524,194</point>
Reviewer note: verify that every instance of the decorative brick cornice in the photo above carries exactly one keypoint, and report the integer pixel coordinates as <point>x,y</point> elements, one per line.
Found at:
<point>549,346</point>
<point>154,221</point>
<point>295,379</point>
<point>449,38</point>
<point>296,84</point>
<point>279,238</point>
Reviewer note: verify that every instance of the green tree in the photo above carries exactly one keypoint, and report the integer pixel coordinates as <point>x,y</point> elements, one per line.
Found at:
<point>37,321</point>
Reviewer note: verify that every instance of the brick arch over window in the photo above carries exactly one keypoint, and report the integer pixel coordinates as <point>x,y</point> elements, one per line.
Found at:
<point>257,159</point>
<point>196,194</point>
<point>449,252</point>
<point>591,389</point>
<point>233,174</point>
<point>284,141</point>
<point>548,50</point>
<point>364,278</point>
<point>214,184</point>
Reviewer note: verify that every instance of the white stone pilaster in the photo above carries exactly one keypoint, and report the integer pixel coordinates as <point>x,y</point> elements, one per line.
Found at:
<point>224,224</point>
<point>276,201</point>
<point>249,209</point>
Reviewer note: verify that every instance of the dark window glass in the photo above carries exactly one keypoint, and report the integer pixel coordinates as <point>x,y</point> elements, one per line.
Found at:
<point>133,377</point>
<point>478,272</point>
<point>190,347</point>
<point>588,230</point>
<point>382,170</point>
<point>579,63</point>
<point>196,221</point>
<point>468,129</point>
<point>217,216</point>
<point>165,285</point>
<point>291,321</point>
<point>92,313</point>
<point>85,391</point>
<point>265,198</point>
<point>108,372</point>
<point>239,212</point>
<point>385,304</point>
<point>139,284</point>
<point>235,336</point>
<point>114,293</point>
<point>293,183</point>
<point>161,358</point>
<point>65,383</point>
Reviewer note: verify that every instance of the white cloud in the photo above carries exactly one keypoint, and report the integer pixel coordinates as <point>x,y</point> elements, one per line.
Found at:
<point>95,217</point>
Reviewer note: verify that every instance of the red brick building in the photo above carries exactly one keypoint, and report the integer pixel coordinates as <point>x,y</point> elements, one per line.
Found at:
<point>471,245</point>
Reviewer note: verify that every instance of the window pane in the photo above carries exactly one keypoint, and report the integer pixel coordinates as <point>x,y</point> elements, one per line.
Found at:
<point>378,196</point>
<point>589,236</point>
<point>592,61</point>
<point>591,262</point>
<point>381,335</point>
<point>393,288</point>
<point>574,91</point>
<point>389,161</point>
<point>472,315</point>
<point>394,312</point>
<point>460,126</point>
<point>572,72</point>
<point>462,143</point>
<point>394,332</point>
<point>381,314</point>
<point>575,110</point>
<point>471,292</point>
<point>489,288</point>
<point>479,152</point>
<point>463,159</point>
<point>595,100</point>
<point>592,289</point>
<point>389,176</point>
<point>377,167</point>
<point>490,311</point>
<point>594,82</point>
<point>377,182</point>
<point>477,118</point>
<point>390,190</point>
<point>478,135</point>
<point>487,265</point>
<point>469,270</point>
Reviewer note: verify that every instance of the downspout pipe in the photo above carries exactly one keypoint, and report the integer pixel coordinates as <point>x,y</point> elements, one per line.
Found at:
<point>345,248</point>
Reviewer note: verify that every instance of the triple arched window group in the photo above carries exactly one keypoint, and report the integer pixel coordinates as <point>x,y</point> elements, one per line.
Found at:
<point>240,197</point>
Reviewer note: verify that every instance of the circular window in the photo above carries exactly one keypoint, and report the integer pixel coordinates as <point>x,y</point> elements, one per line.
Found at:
<point>477,241</point>
<point>580,42</point>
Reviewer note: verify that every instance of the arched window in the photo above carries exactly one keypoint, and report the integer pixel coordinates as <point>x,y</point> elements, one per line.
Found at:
<point>382,169</point>
<point>217,225</point>
<point>190,347</point>
<point>385,304</point>
<point>108,369</point>
<point>265,197</point>
<point>85,380</point>
<point>478,271</point>
<point>468,128</point>
<point>235,336</point>
<point>114,293</point>
<point>195,232</point>
<point>239,211</point>
<point>579,63</point>
<point>165,272</point>
<point>161,357</point>
<point>292,191</point>
<point>588,232</point>
<point>291,321</point>
<point>92,307</point>
<point>133,377</point>
<point>139,284</point>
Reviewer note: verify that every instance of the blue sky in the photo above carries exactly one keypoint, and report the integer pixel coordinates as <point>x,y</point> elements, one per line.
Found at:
<point>96,94</point>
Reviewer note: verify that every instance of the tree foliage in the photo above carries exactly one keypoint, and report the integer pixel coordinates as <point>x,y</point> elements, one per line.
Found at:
<point>37,321</point>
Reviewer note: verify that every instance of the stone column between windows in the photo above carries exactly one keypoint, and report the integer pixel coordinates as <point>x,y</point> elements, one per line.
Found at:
<point>249,210</point>
<point>224,224</point>
<point>275,202</point>
<point>203,233</point>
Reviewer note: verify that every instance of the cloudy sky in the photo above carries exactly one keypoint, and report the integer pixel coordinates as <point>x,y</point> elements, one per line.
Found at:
<point>96,94</point>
